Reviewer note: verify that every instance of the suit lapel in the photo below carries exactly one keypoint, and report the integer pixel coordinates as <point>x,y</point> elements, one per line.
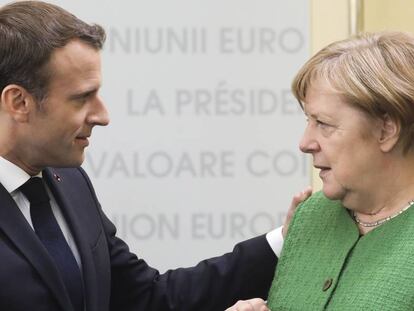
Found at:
<point>18,230</point>
<point>71,202</point>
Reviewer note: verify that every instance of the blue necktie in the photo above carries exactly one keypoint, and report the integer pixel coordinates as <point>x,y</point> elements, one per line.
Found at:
<point>49,232</point>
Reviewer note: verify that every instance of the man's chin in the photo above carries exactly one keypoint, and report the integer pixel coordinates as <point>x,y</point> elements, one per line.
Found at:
<point>70,162</point>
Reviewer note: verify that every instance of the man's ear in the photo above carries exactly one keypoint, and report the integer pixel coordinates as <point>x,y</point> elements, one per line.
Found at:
<point>390,133</point>
<point>17,102</point>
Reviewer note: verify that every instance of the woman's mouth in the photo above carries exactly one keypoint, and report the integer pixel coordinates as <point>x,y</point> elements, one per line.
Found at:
<point>324,170</point>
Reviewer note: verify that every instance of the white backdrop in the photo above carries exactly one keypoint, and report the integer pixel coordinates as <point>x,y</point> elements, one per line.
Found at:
<point>202,148</point>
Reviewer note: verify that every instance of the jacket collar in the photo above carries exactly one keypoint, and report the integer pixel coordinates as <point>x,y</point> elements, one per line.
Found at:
<point>18,230</point>
<point>71,200</point>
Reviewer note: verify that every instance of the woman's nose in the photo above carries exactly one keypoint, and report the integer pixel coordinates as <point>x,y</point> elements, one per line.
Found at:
<point>308,143</point>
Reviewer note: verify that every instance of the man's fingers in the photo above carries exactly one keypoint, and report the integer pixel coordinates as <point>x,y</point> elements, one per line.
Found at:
<point>255,304</point>
<point>296,200</point>
<point>300,197</point>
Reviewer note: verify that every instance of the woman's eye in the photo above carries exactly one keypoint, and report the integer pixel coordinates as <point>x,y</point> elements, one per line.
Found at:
<point>326,129</point>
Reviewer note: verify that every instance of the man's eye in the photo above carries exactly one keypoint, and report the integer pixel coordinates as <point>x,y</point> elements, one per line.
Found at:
<point>321,124</point>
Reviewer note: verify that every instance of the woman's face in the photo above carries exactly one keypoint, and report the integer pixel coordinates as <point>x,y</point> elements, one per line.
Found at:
<point>343,142</point>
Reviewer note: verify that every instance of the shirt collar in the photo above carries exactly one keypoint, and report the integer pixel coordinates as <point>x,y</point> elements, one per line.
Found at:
<point>12,176</point>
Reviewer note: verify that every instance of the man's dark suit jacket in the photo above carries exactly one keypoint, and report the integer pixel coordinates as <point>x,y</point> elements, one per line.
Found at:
<point>114,278</point>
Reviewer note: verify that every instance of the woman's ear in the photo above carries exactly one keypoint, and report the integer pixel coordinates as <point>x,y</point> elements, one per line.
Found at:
<point>390,133</point>
<point>17,102</point>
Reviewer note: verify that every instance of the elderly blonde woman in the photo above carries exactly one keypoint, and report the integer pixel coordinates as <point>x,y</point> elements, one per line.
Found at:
<point>351,246</point>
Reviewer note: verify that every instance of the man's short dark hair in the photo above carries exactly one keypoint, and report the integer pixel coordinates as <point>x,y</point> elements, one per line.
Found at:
<point>29,33</point>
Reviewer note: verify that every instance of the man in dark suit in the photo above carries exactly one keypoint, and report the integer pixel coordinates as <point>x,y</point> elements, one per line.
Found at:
<point>58,251</point>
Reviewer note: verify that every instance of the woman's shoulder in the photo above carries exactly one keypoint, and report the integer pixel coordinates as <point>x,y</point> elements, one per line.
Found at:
<point>318,203</point>
<point>316,211</point>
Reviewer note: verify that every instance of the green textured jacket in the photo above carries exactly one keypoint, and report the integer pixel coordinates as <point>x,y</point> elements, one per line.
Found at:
<point>326,265</point>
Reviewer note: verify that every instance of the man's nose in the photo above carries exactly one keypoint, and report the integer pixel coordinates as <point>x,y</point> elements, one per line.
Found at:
<point>99,114</point>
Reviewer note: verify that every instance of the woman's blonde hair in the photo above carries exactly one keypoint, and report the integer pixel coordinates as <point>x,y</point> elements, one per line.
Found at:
<point>373,72</point>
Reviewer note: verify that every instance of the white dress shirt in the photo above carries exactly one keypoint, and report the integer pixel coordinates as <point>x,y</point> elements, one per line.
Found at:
<point>275,239</point>
<point>12,177</point>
